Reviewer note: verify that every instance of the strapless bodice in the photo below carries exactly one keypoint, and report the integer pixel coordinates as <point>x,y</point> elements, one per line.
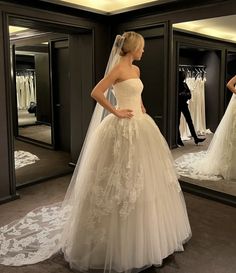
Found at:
<point>128,95</point>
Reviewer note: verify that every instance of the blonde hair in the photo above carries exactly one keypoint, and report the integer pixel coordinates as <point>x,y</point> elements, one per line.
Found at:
<point>132,42</point>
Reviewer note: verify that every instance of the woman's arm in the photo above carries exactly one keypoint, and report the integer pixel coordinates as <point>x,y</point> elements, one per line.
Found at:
<point>99,90</point>
<point>231,83</point>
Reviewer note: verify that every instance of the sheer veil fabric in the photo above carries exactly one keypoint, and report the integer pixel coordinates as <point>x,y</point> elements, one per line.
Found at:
<point>40,233</point>
<point>124,209</point>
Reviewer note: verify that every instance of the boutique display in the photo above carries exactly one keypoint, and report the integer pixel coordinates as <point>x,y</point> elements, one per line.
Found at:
<point>25,88</point>
<point>195,79</point>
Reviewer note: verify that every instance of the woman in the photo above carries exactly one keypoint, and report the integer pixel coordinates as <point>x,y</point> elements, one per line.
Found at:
<point>218,162</point>
<point>125,209</point>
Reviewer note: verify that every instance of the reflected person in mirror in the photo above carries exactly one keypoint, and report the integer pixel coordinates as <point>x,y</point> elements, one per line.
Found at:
<point>185,95</point>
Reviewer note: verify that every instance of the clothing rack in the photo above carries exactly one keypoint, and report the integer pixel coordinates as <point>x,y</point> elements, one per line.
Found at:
<point>25,71</point>
<point>192,65</point>
<point>193,70</point>
<point>25,87</point>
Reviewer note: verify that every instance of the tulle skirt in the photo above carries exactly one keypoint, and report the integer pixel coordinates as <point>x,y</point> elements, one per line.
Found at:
<point>132,213</point>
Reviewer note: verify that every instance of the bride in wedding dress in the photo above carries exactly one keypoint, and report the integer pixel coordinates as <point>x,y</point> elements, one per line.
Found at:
<point>124,209</point>
<point>218,162</point>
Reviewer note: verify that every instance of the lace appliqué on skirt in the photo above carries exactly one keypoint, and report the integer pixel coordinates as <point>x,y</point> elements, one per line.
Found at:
<point>119,184</point>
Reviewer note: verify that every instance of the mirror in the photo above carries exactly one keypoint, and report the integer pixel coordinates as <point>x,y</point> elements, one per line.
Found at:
<point>35,56</point>
<point>206,53</point>
<point>32,85</point>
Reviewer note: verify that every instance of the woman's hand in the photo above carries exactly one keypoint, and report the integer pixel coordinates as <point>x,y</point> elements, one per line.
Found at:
<point>124,113</point>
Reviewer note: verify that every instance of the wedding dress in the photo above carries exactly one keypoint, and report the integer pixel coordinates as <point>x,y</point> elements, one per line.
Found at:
<point>128,210</point>
<point>218,162</point>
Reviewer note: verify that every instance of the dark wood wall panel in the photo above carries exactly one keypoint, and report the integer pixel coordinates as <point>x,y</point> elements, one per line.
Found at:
<point>43,88</point>
<point>81,102</point>
<point>7,182</point>
<point>152,67</point>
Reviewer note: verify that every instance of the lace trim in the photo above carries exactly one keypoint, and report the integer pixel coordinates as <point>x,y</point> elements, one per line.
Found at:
<point>33,238</point>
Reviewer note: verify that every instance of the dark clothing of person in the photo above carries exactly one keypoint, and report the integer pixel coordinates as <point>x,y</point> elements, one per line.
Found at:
<point>184,93</point>
<point>184,96</point>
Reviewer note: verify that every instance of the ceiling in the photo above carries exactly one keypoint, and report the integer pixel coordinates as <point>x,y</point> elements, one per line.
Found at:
<point>220,27</point>
<point>109,6</point>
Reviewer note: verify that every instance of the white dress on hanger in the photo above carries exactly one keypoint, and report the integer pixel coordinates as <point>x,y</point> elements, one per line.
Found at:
<point>128,210</point>
<point>32,89</point>
<point>196,108</point>
<point>218,162</point>
<point>27,91</point>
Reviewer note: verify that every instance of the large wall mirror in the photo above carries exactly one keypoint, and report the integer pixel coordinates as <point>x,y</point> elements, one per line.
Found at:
<point>33,92</point>
<point>206,53</point>
<point>45,96</point>
<point>31,83</point>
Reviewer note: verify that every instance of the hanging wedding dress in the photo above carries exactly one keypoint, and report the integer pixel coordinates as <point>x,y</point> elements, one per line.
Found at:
<point>196,108</point>
<point>124,208</point>
<point>218,162</point>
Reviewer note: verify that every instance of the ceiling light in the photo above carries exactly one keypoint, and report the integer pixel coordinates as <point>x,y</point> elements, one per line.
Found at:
<point>108,5</point>
<point>14,29</point>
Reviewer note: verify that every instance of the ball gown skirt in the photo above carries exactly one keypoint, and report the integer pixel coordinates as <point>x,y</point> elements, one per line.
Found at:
<point>133,213</point>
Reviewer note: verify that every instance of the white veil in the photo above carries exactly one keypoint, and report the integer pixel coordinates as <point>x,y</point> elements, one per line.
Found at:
<point>42,232</point>
<point>98,115</point>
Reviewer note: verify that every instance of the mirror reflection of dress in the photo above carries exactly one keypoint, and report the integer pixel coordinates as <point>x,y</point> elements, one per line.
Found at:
<point>218,162</point>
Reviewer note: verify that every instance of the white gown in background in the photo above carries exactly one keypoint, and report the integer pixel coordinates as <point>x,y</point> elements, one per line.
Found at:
<point>128,210</point>
<point>218,162</point>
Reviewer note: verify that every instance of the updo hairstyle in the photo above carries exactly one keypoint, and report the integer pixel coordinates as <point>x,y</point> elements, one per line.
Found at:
<point>132,42</point>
